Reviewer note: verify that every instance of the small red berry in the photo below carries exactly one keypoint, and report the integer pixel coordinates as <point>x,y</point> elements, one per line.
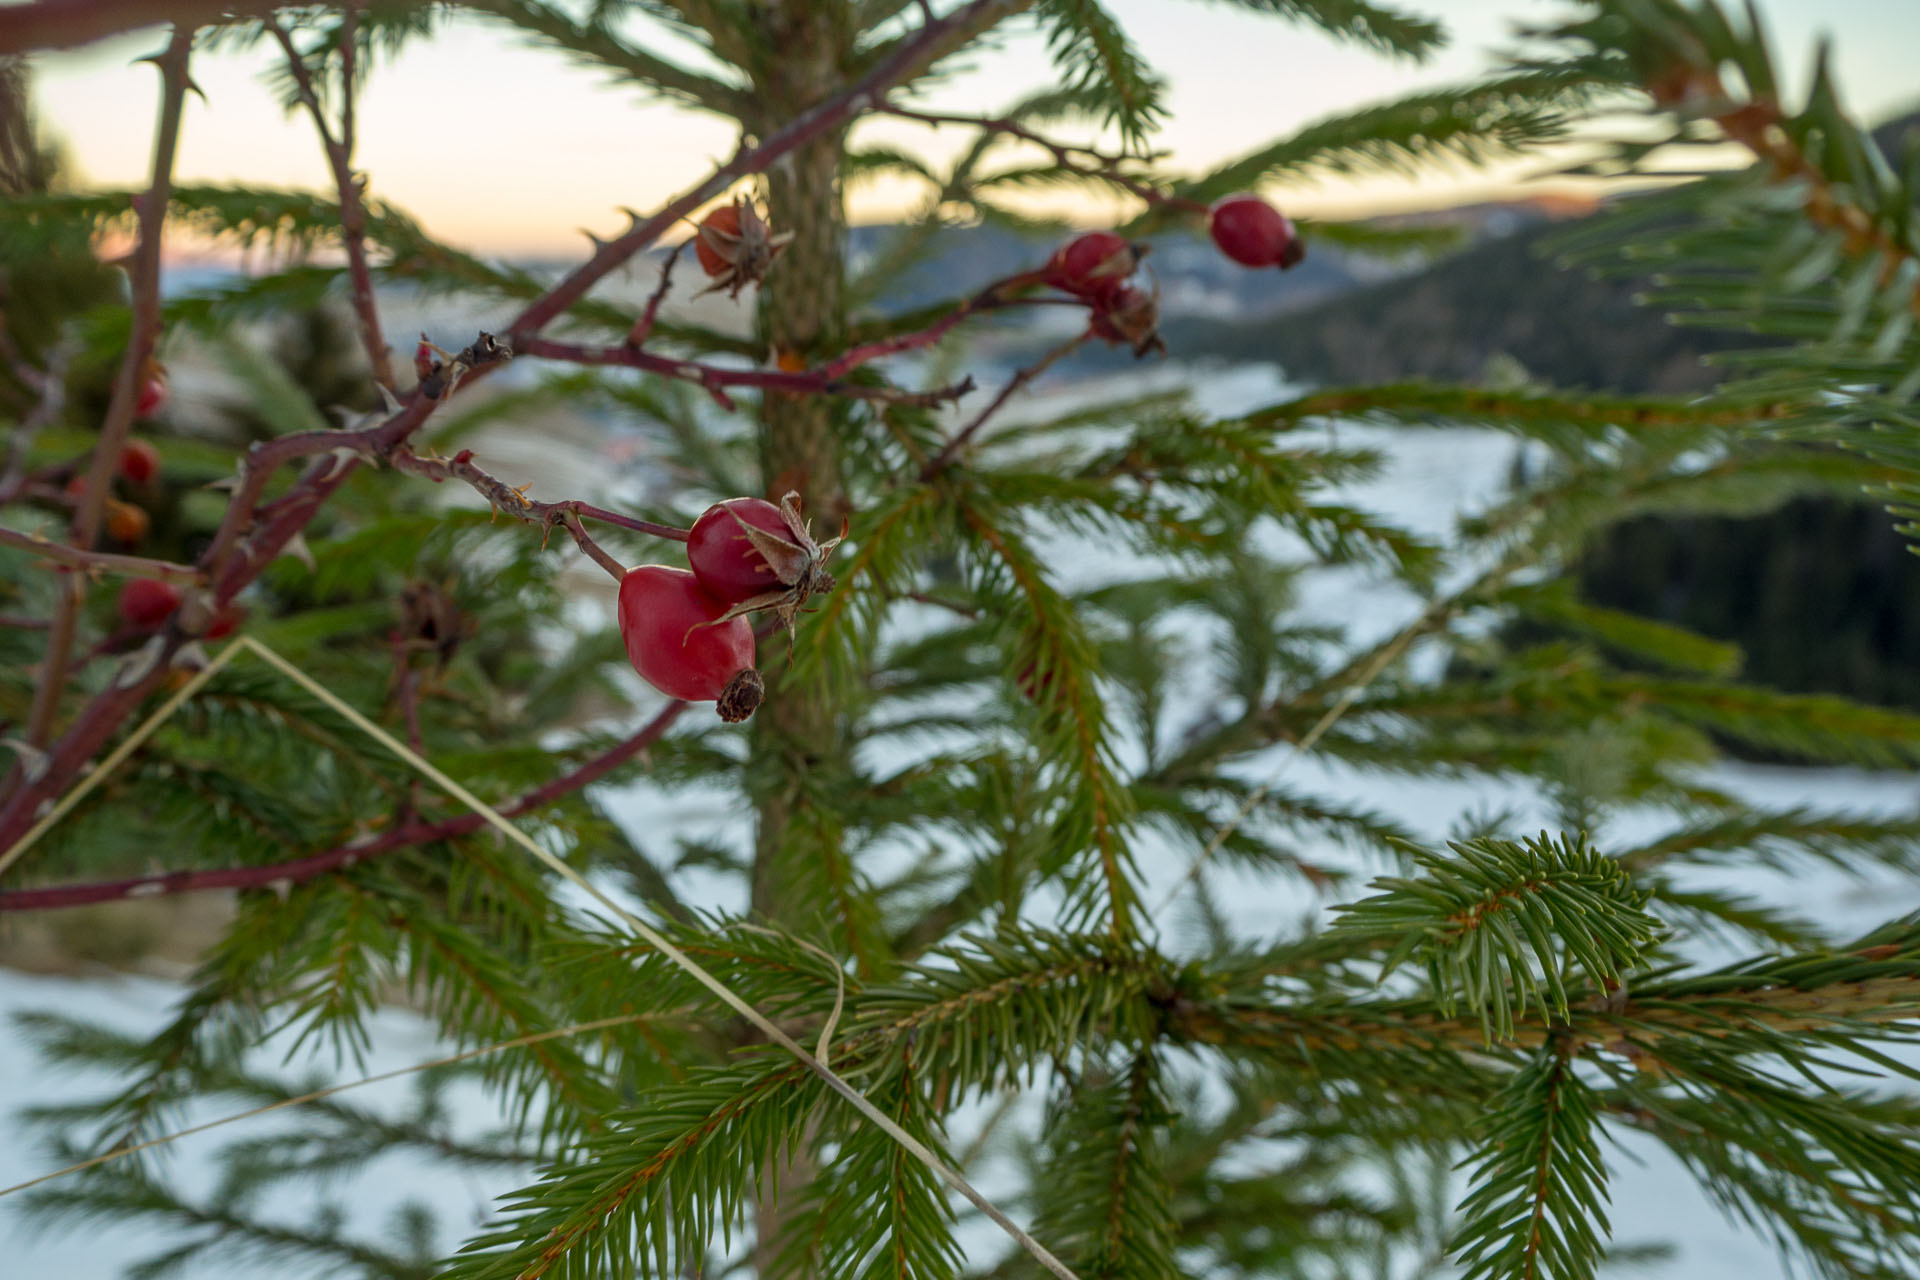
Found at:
<point>153,394</point>
<point>1094,265</point>
<point>139,461</point>
<point>1254,233</point>
<point>126,522</point>
<point>678,642</point>
<point>147,602</point>
<point>224,622</point>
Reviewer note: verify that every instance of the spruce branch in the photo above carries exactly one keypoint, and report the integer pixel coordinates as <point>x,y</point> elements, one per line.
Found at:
<point>596,43</point>
<point>1470,124</point>
<point>1084,161</point>
<point>1536,1210</point>
<point>1497,923</point>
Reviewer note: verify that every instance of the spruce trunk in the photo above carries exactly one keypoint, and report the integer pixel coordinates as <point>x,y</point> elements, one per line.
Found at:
<point>802,314</point>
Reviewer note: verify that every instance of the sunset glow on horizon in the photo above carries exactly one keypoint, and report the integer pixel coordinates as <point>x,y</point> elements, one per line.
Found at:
<point>499,145</point>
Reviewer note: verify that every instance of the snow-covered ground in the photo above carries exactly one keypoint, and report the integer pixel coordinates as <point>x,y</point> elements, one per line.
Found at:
<point>1433,475</point>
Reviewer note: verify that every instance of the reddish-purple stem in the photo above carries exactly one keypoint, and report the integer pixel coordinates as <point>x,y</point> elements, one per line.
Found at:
<point>992,298</point>
<point>715,379</point>
<point>63,24</point>
<point>103,561</point>
<point>343,856</point>
<point>941,460</point>
<point>353,211</point>
<point>144,272</point>
<point>642,327</point>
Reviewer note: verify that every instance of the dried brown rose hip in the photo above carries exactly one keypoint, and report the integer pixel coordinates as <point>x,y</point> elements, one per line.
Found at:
<point>147,602</point>
<point>736,246</point>
<point>1254,233</point>
<point>681,641</point>
<point>1093,266</point>
<point>1130,316</point>
<point>753,555</point>
<point>139,461</point>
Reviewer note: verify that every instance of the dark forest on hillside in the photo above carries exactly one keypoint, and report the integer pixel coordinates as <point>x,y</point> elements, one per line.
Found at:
<point>1820,595</point>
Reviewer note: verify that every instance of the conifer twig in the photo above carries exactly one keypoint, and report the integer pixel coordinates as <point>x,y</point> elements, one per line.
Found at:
<point>316,1095</point>
<point>1087,162</point>
<point>1352,680</point>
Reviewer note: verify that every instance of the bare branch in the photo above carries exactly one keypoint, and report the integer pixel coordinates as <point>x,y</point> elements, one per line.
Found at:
<point>99,561</point>
<point>353,212</point>
<point>145,331</point>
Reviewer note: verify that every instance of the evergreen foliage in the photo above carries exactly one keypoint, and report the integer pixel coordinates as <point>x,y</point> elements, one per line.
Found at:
<point>1060,656</point>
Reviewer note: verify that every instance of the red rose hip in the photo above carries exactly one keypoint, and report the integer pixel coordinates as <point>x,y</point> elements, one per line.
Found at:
<point>1095,265</point>
<point>677,641</point>
<point>147,602</point>
<point>722,552</point>
<point>752,555</point>
<point>717,229</point>
<point>153,394</point>
<point>139,461</point>
<point>1254,233</point>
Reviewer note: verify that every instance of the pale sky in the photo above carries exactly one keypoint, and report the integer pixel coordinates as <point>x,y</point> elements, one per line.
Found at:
<point>502,146</point>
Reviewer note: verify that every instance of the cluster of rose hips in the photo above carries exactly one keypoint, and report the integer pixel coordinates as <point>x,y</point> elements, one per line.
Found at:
<point>145,604</point>
<point>687,631</point>
<point>1099,268</point>
<point>139,464</point>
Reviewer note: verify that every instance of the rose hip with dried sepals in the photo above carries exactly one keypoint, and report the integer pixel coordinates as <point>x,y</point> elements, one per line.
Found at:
<point>1254,233</point>
<point>753,555</point>
<point>681,640</point>
<point>1093,266</point>
<point>1130,316</point>
<point>147,602</point>
<point>735,246</point>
